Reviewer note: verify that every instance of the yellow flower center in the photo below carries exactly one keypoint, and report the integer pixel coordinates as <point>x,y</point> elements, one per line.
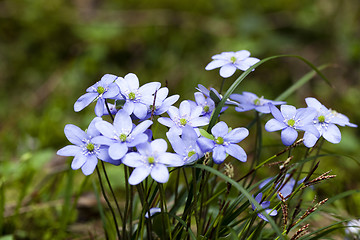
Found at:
<point>100,89</point>
<point>219,140</point>
<point>291,122</point>
<point>132,96</point>
<point>183,121</point>
<point>151,160</point>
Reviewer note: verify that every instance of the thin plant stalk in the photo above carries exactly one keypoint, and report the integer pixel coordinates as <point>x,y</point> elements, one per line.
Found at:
<point>108,203</point>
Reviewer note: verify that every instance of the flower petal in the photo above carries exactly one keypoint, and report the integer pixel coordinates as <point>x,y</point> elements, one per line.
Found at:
<point>132,81</point>
<point>74,134</point>
<point>288,136</point>
<point>118,150</point>
<point>139,174</point>
<point>227,70</point>
<point>176,143</point>
<point>106,129</point>
<point>332,134</point>
<point>205,144</point>
<point>158,145</point>
<point>170,159</point>
<point>236,135</point>
<point>84,101</point>
<point>160,173</point>
<point>216,64</point>
<point>132,159</point>
<point>274,125</point>
<point>219,154</point>
<point>236,151</point>
<point>220,129</point>
<point>90,164</point>
<point>100,107</point>
<point>140,110</point>
<point>70,150</point>
<point>122,122</point>
<point>78,161</point>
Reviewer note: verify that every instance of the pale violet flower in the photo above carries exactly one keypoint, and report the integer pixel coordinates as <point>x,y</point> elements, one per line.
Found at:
<point>228,62</point>
<point>207,104</point>
<point>249,101</point>
<point>289,120</point>
<point>224,142</point>
<point>265,205</point>
<point>186,146</point>
<point>162,102</point>
<point>86,153</point>
<point>215,96</point>
<point>151,159</point>
<point>122,134</point>
<point>285,187</point>
<point>137,99</point>
<point>152,211</point>
<point>325,121</point>
<point>183,116</point>
<point>103,89</point>
<point>353,229</point>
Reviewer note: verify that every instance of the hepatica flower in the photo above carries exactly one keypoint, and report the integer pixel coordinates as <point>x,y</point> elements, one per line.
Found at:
<point>162,102</point>
<point>183,116</point>
<point>103,89</point>
<point>215,96</point>
<point>285,187</point>
<point>137,99</point>
<point>265,205</point>
<point>84,150</point>
<point>353,229</point>
<point>186,146</point>
<point>228,62</point>
<point>249,101</point>
<point>289,120</point>
<point>121,135</point>
<point>151,159</point>
<point>325,121</point>
<point>207,104</point>
<point>224,142</point>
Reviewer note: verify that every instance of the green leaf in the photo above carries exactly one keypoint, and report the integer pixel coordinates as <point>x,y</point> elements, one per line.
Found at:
<point>204,133</point>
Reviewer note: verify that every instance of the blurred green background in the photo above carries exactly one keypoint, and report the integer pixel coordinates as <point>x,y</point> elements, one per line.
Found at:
<point>51,51</point>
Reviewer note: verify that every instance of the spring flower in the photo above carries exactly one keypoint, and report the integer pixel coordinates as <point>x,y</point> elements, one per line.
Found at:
<point>285,187</point>
<point>215,96</point>
<point>183,116</point>
<point>103,89</point>
<point>224,142</point>
<point>325,121</point>
<point>121,135</point>
<point>137,99</point>
<point>289,120</point>
<point>353,229</point>
<point>162,102</point>
<point>264,205</point>
<point>84,150</point>
<point>207,104</point>
<point>186,146</point>
<point>152,211</point>
<point>249,101</point>
<point>228,62</point>
<point>151,159</point>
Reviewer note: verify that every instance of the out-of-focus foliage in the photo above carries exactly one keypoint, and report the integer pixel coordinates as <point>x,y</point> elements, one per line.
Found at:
<point>51,51</point>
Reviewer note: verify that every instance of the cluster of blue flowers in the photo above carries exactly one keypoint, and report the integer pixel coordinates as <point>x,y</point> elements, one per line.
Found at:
<point>129,139</point>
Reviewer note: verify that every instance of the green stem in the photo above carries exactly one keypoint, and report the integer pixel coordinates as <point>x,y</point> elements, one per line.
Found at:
<point>164,209</point>
<point>108,203</point>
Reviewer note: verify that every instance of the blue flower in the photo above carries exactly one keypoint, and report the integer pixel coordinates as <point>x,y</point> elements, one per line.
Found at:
<point>207,104</point>
<point>186,146</point>
<point>121,135</point>
<point>162,102</point>
<point>325,121</point>
<point>137,99</point>
<point>289,120</point>
<point>183,116</point>
<point>228,62</point>
<point>224,142</point>
<point>286,186</point>
<point>215,96</point>
<point>84,150</point>
<point>103,89</point>
<point>249,101</point>
<point>152,211</point>
<point>264,205</point>
<point>151,159</point>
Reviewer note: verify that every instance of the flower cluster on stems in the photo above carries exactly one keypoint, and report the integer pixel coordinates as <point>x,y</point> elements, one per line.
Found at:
<point>128,139</point>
